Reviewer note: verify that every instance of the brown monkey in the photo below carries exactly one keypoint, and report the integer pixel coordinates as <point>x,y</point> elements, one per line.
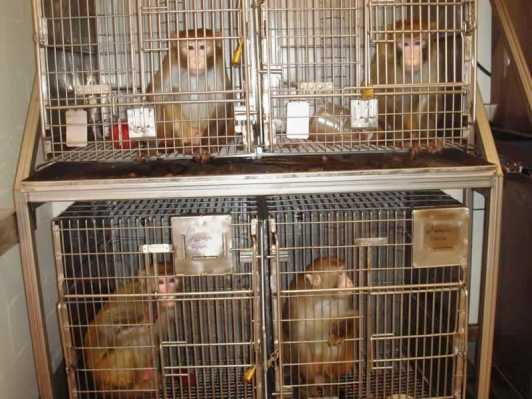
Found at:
<point>195,63</point>
<point>319,327</point>
<point>409,58</point>
<point>120,346</point>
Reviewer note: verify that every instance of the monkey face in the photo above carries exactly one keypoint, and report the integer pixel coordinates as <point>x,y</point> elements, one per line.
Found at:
<point>168,284</point>
<point>197,52</point>
<point>343,280</point>
<point>411,50</point>
<point>161,281</point>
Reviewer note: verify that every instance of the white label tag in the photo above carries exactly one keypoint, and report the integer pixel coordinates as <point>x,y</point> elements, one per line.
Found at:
<point>203,245</point>
<point>298,120</point>
<point>141,123</point>
<point>364,113</point>
<point>76,128</point>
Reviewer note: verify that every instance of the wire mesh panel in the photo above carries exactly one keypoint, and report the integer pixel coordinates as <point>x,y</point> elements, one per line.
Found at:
<point>100,62</point>
<point>390,322</point>
<point>349,76</point>
<point>123,336</point>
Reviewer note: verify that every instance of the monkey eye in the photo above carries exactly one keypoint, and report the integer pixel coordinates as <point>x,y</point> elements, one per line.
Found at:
<point>406,44</point>
<point>191,47</point>
<point>417,43</point>
<point>202,47</point>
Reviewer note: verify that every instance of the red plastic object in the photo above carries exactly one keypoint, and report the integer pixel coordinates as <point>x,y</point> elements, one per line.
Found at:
<point>121,141</point>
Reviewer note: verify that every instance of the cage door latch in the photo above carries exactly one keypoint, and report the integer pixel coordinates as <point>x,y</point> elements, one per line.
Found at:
<point>283,254</point>
<point>273,358</point>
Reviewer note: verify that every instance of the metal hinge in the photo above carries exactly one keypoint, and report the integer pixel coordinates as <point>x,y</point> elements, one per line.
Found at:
<point>246,255</point>
<point>41,36</point>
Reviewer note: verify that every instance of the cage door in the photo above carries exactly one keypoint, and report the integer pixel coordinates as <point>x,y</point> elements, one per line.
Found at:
<point>416,343</point>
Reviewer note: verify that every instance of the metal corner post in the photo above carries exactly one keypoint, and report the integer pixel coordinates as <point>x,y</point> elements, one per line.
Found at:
<point>491,273</point>
<point>28,251</point>
<point>490,289</point>
<point>32,287</point>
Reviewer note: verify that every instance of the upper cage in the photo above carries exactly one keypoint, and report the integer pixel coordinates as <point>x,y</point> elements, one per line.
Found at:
<point>99,63</point>
<point>376,75</point>
<point>123,80</point>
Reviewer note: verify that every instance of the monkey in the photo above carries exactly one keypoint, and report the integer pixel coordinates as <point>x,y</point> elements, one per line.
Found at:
<point>119,344</point>
<point>195,63</point>
<point>409,58</point>
<point>319,327</point>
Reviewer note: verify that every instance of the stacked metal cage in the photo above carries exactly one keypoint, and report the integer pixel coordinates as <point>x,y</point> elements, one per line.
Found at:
<point>298,77</point>
<point>301,77</point>
<point>411,313</point>
<point>214,339</point>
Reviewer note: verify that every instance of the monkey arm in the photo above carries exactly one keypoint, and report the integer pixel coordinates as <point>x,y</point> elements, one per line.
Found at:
<point>340,330</point>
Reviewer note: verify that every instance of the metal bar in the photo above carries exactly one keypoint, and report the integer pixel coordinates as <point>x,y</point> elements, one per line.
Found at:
<point>486,135</point>
<point>490,290</point>
<point>253,185</point>
<point>32,286</point>
<point>30,137</point>
<point>516,51</point>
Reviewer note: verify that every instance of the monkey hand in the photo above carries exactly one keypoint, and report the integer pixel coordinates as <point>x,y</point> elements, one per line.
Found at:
<point>435,146</point>
<point>336,334</point>
<point>335,340</point>
<point>119,378</point>
<point>202,155</point>
<point>414,150</point>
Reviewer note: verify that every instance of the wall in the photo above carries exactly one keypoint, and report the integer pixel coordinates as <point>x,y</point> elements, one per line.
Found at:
<point>17,370</point>
<point>484,48</point>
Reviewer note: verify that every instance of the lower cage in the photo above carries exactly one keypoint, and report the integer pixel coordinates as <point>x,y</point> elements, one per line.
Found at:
<point>369,294</point>
<point>123,337</point>
<point>174,298</point>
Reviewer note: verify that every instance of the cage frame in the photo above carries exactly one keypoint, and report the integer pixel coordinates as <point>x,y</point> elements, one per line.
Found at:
<point>27,195</point>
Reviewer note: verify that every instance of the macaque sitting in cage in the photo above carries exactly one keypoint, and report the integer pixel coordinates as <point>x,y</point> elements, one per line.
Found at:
<point>194,124</point>
<point>319,328</point>
<point>410,55</point>
<point>121,344</point>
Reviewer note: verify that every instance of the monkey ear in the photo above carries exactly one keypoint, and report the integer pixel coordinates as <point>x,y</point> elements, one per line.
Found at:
<point>173,40</point>
<point>314,279</point>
